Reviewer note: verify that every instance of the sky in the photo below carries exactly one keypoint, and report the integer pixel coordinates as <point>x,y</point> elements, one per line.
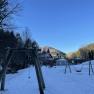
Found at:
<point>63,24</point>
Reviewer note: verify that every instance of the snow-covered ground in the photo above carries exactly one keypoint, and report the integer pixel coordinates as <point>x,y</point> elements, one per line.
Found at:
<point>56,81</point>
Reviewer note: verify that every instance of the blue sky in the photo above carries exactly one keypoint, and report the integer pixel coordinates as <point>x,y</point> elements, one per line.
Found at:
<point>63,24</point>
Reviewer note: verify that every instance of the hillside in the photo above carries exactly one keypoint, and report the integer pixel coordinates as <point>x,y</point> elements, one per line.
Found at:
<point>83,52</point>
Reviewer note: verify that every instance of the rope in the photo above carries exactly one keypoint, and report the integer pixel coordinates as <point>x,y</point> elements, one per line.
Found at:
<point>29,76</point>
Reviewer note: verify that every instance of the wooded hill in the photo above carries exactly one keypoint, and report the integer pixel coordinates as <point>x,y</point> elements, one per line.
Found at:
<point>86,52</point>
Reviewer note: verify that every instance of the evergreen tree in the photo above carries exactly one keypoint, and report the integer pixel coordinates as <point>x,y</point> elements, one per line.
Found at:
<point>28,43</point>
<point>19,41</point>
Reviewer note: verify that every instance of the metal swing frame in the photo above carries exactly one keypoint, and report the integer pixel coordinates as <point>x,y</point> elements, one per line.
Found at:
<point>67,66</point>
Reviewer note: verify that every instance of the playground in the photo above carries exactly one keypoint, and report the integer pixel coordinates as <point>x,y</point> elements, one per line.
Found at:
<point>56,81</point>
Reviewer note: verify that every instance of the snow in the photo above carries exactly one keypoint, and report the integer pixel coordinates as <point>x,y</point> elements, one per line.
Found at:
<point>56,81</point>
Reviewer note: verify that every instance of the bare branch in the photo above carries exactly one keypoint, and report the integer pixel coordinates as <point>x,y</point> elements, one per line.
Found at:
<point>11,12</point>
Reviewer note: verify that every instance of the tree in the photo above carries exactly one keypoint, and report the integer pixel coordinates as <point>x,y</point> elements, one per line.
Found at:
<point>19,41</point>
<point>7,39</point>
<point>28,43</point>
<point>6,11</point>
<point>72,55</point>
<point>27,38</point>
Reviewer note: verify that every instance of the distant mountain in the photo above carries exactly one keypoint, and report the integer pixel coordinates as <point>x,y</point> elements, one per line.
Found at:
<point>55,53</point>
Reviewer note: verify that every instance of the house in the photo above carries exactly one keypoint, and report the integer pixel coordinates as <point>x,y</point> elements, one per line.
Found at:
<point>53,52</point>
<point>45,58</point>
<point>60,62</point>
<point>48,55</point>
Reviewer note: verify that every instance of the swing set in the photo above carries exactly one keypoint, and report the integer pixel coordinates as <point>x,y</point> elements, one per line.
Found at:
<point>78,68</point>
<point>90,67</point>
<point>32,52</point>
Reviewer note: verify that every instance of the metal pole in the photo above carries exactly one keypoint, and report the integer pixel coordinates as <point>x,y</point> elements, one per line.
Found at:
<point>89,67</point>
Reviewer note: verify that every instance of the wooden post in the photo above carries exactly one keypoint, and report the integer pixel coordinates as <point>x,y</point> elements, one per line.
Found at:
<point>39,66</point>
<point>3,81</point>
<point>5,62</point>
<point>40,71</point>
<point>37,72</point>
<point>1,70</point>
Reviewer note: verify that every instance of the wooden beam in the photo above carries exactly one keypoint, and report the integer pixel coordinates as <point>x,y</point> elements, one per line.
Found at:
<point>38,72</point>
<point>5,62</point>
<point>42,80</point>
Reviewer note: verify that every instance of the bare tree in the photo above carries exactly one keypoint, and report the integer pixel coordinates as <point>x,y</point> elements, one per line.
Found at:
<point>27,37</point>
<point>6,12</point>
<point>84,53</point>
<point>26,34</point>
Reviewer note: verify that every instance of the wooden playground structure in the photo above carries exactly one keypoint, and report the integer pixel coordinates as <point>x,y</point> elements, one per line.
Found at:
<point>32,52</point>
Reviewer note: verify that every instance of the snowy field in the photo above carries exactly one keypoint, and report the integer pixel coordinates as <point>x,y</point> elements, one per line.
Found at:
<point>56,81</point>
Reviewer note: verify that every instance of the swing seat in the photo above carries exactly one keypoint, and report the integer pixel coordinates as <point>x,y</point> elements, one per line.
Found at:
<point>29,77</point>
<point>78,70</point>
